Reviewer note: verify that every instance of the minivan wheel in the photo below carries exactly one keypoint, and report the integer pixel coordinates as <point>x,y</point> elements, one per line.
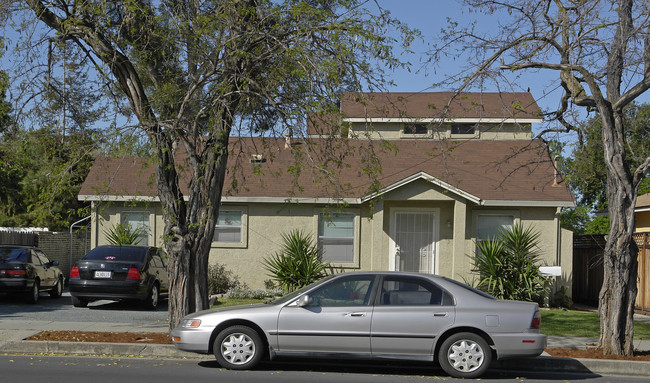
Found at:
<point>465,355</point>
<point>151,302</point>
<point>57,291</point>
<point>78,302</point>
<point>238,348</point>
<point>32,295</point>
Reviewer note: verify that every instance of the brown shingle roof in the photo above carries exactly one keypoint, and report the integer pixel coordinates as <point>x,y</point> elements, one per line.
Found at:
<point>433,104</point>
<point>490,170</point>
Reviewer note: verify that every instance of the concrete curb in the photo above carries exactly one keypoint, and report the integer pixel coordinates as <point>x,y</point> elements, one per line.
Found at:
<point>98,348</point>
<point>538,364</point>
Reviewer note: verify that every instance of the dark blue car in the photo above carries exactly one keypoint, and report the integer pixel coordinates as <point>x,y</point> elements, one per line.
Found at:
<point>26,270</point>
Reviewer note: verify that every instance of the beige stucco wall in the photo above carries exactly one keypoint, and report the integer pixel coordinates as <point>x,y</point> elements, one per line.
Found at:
<point>264,224</point>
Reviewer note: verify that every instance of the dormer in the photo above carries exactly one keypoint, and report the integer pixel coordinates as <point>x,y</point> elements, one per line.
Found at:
<point>437,115</point>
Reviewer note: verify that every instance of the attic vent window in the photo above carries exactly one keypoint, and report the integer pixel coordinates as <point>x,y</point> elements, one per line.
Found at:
<point>257,158</point>
<point>415,129</point>
<point>463,129</point>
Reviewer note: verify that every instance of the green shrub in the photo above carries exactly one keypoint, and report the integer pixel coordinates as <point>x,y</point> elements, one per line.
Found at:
<point>238,293</point>
<point>507,266</point>
<point>221,280</point>
<point>124,234</point>
<point>299,262</point>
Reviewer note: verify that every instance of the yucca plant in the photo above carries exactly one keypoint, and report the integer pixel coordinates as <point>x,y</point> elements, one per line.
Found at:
<point>508,265</point>
<point>298,263</point>
<point>124,234</point>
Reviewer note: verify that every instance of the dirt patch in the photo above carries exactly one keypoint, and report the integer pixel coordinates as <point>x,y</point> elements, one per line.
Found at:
<point>596,353</point>
<point>163,338</point>
<point>102,336</point>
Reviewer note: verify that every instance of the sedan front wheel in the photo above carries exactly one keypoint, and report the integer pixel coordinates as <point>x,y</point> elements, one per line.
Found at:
<point>238,348</point>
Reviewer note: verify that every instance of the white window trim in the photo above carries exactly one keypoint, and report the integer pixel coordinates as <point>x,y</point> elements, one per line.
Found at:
<point>516,214</point>
<point>243,243</point>
<point>357,235</point>
<point>436,235</point>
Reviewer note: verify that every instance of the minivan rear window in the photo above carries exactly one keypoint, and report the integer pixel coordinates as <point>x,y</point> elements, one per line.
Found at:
<point>117,253</point>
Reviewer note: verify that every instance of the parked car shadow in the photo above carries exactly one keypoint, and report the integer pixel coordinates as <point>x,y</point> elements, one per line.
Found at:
<point>392,368</point>
<point>124,305</point>
<point>12,303</point>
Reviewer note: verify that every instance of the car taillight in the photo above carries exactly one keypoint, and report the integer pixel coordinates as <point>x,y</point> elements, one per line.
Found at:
<point>134,274</point>
<point>74,273</point>
<point>537,320</point>
<point>16,272</point>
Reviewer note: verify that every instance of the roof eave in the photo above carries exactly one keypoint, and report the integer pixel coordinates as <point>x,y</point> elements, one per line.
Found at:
<point>426,177</point>
<point>532,203</point>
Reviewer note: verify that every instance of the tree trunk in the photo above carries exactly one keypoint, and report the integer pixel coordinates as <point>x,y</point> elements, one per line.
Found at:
<point>618,293</point>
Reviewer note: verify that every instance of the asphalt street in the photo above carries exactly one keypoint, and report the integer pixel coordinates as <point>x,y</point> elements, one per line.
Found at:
<point>38,369</point>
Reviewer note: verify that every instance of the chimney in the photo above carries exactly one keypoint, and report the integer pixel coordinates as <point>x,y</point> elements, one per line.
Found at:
<point>556,174</point>
<point>287,140</point>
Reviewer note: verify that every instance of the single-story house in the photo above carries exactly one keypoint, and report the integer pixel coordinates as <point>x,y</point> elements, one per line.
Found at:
<point>642,213</point>
<point>451,171</point>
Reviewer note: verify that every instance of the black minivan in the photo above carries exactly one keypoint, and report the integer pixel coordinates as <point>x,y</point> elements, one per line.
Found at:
<point>119,272</point>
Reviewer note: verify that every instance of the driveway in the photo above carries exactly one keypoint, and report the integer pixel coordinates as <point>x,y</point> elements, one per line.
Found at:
<point>61,309</point>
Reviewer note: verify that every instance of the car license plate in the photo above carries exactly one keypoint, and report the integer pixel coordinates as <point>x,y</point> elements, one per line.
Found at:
<point>102,274</point>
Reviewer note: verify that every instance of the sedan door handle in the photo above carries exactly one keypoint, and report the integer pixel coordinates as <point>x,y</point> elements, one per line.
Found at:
<point>440,314</point>
<point>356,314</point>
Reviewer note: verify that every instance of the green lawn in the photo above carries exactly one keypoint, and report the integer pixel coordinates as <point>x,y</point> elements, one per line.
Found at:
<point>581,323</point>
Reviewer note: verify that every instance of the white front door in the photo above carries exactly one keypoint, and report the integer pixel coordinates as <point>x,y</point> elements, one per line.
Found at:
<point>415,234</point>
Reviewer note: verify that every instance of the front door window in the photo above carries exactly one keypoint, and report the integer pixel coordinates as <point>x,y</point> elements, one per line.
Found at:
<point>415,233</point>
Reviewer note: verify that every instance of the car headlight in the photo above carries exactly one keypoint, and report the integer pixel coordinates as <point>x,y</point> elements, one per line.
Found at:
<point>191,323</point>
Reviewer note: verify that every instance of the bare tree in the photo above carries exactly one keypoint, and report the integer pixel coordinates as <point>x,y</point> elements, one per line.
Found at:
<point>195,72</point>
<point>600,53</point>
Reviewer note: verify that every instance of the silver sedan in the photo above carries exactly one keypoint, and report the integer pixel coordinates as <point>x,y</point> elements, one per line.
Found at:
<point>376,315</point>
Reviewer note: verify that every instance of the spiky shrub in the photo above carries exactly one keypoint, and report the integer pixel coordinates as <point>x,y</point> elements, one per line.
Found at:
<point>297,264</point>
<point>507,266</point>
<point>124,234</point>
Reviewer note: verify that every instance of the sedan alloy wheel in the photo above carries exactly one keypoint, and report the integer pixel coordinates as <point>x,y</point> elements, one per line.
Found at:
<point>238,348</point>
<point>465,355</point>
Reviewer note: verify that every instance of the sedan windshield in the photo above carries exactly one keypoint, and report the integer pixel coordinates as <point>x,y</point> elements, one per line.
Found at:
<point>117,253</point>
<point>298,292</point>
<point>13,254</point>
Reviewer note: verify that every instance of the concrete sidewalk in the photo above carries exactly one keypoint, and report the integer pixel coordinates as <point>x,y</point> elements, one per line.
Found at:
<point>13,333</point>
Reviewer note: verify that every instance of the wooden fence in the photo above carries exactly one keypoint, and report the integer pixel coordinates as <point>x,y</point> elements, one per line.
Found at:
<point>643,296</point>
<point>588,269</point>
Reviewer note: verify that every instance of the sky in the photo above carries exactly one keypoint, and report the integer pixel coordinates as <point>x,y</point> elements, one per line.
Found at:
<point>429,16</point>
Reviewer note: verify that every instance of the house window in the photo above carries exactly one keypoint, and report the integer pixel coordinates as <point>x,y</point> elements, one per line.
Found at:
<point>463,129</point>
<point>415,129</point>
<point>229,227</point>
<point>336,237</point>
<point>489,226</point>
<point>138,220</point>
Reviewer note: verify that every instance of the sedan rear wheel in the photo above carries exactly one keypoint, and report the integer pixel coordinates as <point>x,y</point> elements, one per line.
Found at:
<point>32,295</point>
<point>238,348</point>
<point>465,355</point>
<point>151,302</point>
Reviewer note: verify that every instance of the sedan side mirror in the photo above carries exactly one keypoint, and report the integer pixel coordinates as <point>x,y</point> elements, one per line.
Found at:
<point>304,300</point>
